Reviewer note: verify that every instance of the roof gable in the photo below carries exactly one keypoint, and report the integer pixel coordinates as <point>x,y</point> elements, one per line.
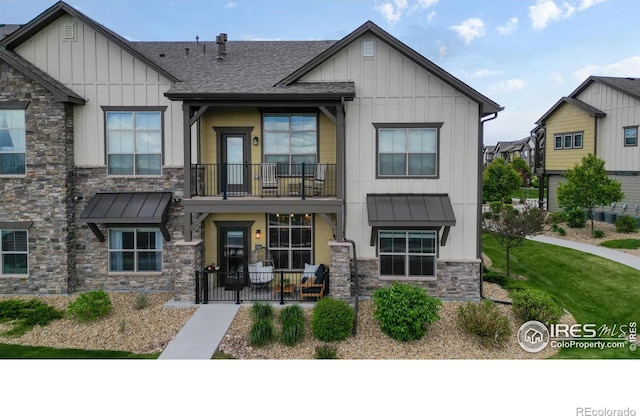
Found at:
<point>629,86</point>
<point>61,8</point>
<point>487,106</point>
<point>592,111</point>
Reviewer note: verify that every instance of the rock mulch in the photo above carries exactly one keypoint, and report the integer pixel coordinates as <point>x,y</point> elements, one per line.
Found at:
<point>583,235</point>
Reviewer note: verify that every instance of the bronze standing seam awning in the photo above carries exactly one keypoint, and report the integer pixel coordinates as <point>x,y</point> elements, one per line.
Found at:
<point>410,211</point>
<point>128,209</point>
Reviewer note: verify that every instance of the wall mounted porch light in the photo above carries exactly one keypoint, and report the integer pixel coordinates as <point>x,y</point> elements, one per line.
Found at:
<point>258,234</point>
<point>255,141</point>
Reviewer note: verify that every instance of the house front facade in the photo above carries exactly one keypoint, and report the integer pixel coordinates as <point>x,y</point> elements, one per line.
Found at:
<point>179,155</point>
<point>601,117</point>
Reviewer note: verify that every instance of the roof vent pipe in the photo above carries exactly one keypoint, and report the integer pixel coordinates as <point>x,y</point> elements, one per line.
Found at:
<point>224,43</point>
<point>186,51</point>
<point>220,44</point>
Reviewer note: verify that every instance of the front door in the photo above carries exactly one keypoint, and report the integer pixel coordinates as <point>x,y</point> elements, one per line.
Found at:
<point>235,153</point>
<point>233,252</point>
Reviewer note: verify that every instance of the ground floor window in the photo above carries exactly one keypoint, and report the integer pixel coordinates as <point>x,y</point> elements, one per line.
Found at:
<point>407,253</point>
<point>14,252</point>
<point>290,240</point>
<point>135,250</point>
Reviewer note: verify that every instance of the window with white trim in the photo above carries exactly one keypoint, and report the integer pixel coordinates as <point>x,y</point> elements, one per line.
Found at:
<point>568,141</point>
<point>407,150</point>
<point>407,253</point>
<point>290,240</point>
<point>631,136</point>
<point>134,142</point>
<point>135,250</point>
<point>290,139</point>
<point>15,252</point>
<point>12,142</point>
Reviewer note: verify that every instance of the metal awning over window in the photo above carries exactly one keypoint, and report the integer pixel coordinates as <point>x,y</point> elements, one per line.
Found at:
<point>128,209</point>
<point>410,211</point>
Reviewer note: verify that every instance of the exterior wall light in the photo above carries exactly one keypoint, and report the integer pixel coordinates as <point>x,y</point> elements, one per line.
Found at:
<point>255,141</point>
<point>258,234</point>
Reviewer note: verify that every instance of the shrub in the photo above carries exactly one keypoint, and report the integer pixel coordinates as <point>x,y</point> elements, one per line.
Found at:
<point>561,231</point>
<point>332,320</point>
<point>493,277</point>
<point>90,306</point>
<point>486,321</point>
<point>141,301</point>
<point>292,319</point>
<point>576,218</point>
<point>487,215</point>
<point>597,234</point>
<point>326,352</point>
<point>27,314</point>
<point>261,310</point>
<point>405,311</point>
<point>262,332</point>
<point>626,224</point>
<point>495,206</point>
<point>535,305</point>
<point>556,218</point>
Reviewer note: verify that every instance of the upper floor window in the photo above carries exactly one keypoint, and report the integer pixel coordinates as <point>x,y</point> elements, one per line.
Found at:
<point>134,142</point>
<point>407,150</point>
<point>12,142</point>
<point>135,250</point>
<point>290,140</point>
<point>631,136</point>
<point>14,251</point>
<point>568,141</point>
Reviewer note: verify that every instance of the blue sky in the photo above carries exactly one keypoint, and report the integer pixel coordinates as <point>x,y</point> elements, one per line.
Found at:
<point>523,54</point>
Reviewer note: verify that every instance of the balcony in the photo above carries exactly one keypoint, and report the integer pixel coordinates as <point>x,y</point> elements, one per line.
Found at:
<point>264,180</point>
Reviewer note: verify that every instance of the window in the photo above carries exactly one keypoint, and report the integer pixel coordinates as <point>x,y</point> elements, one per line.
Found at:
<point>14,252</point>
<point>568,141</point>
<point>407,253</point>
<point>631,136</point>
<point>134,142</point>
<point>407,150</point>
<point>290,139</point>
<point>291,240</point>
<point>135,250</point>
<point>12,142</point>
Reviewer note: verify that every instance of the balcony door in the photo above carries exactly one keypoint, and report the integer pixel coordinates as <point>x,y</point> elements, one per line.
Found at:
<point>234,158</point>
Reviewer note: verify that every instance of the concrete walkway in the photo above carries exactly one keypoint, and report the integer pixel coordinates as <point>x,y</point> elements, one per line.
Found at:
<point>607,253</point>
<point>202,333</point>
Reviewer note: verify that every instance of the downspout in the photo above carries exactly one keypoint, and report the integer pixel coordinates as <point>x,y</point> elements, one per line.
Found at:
<point>493,116</point>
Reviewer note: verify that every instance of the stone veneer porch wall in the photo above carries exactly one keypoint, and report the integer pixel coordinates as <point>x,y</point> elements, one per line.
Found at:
<point>92,255</point>
<point>44,195</point>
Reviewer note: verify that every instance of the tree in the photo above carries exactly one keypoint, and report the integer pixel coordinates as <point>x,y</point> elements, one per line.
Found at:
<point>524,170</point>
<point>587,186</point>
<point>499,181</point>
<point>512,227</point>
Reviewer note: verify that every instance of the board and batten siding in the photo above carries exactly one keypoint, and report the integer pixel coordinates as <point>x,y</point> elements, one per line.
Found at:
<point>106,75</point>
<point>622,110</point>
<point>568,119</point>
<point>392,88</point>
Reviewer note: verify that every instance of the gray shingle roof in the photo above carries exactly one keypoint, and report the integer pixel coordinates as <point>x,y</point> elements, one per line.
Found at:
<point>249,67</point>
<point>629,86</point>
<point>6,30</point>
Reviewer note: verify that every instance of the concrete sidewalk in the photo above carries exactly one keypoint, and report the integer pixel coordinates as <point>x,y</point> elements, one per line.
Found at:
<point>201,335</point>
<point>607,253</point>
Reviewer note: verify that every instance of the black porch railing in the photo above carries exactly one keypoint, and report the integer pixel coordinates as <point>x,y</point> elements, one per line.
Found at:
<point>265,180</point>
<point>238,287</point>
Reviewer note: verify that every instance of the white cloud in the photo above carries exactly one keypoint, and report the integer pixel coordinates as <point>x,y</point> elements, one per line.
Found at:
<point>509,27</point>
<point>507,86</point>
<point>628,67</point>
<point>428,3</point>
<point>481,73</point>
<point>442,52</point>
<point>545,12</point>
<point>585,4</point>
<point>469,30</point>
<point>392,10</point>
<point>557,77</point>
<point>231,5</point>
<point>431,15</point>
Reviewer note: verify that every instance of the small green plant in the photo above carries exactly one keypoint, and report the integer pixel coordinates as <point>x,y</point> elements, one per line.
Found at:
<point>292,320</point>
<point>262,332</point>
<point>261,310</point>
<point>122,325</point>
<point>404,311</point>
<point>597,234</point>
<point>495,206</point>
<point>332,320</point>
<point>626,224</point>
<point>141,301</point>
<point>326,352</point>
<point>556,218</point>
<point>576,218</point>
<point>24,315</point>
<point>493,277</point>
<point>90,306</point>
<point>535,305</point>
<point>486,321</point>
<point>487,215</point>
<point>561,231</point>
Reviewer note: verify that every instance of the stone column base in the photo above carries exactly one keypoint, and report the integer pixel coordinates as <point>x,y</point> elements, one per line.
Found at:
<point>189,258</point>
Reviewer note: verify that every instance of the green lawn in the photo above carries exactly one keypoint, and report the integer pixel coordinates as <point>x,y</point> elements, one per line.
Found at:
<point>26,352</point>
<point>593,289</point>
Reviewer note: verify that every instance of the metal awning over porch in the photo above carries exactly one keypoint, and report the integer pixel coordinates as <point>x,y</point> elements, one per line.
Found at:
<point>410,211</point>
<point>127,209</point>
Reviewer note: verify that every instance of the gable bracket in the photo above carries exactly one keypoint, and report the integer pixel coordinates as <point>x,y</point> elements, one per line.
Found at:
<point>329,114</point>
<point>198,114</point>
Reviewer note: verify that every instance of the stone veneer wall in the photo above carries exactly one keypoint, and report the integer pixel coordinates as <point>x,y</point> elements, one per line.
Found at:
<point>44,195</point>
<point>92,255</point>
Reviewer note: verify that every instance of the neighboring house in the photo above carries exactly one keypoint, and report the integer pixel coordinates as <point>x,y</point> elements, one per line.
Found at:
<point>488,154</point>
<point>508,151</point>
<point>600,117</point>
<point>157,158</point>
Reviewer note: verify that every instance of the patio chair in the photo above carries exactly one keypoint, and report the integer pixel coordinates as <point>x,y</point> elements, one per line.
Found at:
<point>315,285</point>
<point>260,275</point>
<point>318,180</point>
<point>268,178</point>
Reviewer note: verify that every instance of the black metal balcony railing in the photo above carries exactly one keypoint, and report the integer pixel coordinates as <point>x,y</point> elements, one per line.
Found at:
<point>263,180</point>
